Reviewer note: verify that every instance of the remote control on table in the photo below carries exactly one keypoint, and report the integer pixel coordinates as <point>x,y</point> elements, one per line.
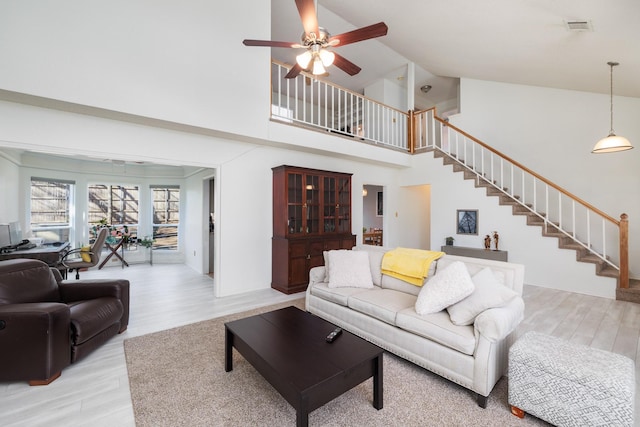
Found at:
<point>334,334</point>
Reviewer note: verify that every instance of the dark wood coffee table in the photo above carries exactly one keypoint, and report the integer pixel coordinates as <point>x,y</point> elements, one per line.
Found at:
<point>288,348</point>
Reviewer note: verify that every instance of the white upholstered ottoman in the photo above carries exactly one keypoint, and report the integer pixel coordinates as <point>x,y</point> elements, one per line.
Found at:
<point>569,384</point>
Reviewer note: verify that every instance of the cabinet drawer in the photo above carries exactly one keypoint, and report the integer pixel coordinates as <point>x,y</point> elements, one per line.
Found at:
<point>316,247</point>
<point>297,249</point>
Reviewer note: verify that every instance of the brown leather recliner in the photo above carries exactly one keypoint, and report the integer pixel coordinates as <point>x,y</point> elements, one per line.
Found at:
<point>47,323</point>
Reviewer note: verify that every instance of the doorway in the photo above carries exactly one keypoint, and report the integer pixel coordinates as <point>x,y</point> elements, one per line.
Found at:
<point>372,215</point>
<point>208,225</point>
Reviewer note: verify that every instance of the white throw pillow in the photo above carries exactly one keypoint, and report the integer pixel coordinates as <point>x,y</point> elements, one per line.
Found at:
<point>447,287</point>
<point>349,269</point>
<point>488,293</point>
<point>325,255</point>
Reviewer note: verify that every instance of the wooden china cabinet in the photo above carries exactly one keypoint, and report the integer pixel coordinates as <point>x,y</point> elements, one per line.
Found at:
<point>311,214</point>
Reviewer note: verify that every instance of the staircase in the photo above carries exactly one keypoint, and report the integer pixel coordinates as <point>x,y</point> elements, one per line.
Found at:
<point>603,267</point>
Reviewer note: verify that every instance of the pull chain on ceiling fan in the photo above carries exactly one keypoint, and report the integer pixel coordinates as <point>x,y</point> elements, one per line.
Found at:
<point>316,40</point>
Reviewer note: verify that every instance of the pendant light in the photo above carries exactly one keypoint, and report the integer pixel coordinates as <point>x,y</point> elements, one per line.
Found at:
<point>612,142</point>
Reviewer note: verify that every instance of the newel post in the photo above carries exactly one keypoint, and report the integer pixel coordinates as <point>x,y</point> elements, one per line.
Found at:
<point>623,281</point>
<point>411,130</point>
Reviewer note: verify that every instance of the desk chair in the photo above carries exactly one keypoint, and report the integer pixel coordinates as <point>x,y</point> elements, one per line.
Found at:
<point>78,258</point>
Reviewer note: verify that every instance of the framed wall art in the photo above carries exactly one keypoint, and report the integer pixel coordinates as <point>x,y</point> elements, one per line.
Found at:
<point>467,221</point>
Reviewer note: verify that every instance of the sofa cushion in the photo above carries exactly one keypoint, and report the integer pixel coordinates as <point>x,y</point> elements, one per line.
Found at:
<point>488,293</point>
<point>389,282</point>
<point>90,317</point>
<point>438,327</point>
<point>382,304</point>
<point>26,281</point>
<point>349,269</point>
<point>335,295</point>
<point>447,287</point>
<point>376,253</point>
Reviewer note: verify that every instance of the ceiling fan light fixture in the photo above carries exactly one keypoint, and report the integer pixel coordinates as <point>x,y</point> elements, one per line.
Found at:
<point>612,143</point>
<point>318,68</point>
<point>327,57</point>
<point>303,59</point>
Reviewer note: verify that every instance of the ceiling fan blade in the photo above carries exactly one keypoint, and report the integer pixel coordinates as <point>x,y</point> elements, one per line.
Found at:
<point>248,42</point>
<point>345,65</point>
<point>307,11</point>
<point>293,73</point>
<point>364,33</point>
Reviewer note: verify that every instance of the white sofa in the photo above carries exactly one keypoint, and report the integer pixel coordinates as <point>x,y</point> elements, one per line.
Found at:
<point>474,356</point>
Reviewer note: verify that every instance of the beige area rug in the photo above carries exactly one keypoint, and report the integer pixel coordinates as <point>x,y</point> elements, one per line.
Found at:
<point>177,378</point>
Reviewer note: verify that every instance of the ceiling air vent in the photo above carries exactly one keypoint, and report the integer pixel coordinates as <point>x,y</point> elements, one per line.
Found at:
<point>579,25</point>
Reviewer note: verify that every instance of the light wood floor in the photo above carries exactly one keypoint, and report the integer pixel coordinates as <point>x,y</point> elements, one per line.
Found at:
<point>95,391</point>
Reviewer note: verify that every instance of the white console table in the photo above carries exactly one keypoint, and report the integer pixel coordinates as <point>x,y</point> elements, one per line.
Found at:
<point>475,252</point>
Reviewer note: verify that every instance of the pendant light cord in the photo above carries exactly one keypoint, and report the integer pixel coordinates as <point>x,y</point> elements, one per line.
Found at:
<point>611,65</point>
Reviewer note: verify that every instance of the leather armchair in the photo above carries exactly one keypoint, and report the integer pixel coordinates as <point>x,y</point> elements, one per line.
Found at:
<point>47,323</point>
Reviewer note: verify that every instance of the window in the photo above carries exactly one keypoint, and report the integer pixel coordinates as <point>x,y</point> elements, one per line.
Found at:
<point>166,216</point>
<point>51,202</point>
<point>117,204</point>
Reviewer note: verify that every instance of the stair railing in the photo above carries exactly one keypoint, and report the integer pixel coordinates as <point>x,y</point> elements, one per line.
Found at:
<point>312,102</point>
<point>579,225</point>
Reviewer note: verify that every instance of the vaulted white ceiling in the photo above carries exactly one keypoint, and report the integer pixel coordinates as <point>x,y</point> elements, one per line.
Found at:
<point>523,42</point>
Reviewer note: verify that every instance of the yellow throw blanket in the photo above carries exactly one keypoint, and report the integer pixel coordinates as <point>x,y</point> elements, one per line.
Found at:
<point>410,265</point>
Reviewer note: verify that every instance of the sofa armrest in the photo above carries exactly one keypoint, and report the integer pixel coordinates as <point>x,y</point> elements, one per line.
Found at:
<point>497,323</point>
<point>81,290</point>
<point>316,275</point>
<point>34,338</point>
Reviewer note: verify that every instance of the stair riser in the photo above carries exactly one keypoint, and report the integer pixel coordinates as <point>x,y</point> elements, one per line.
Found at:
<point>564,242</point>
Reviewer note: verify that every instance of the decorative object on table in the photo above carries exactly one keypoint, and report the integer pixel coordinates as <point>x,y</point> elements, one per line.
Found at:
<point>487,242</point>
<point>449,240</point>
<point>467,221</point>
<point>116,233</point>
<point>147,242</point>
<point>496,238</point>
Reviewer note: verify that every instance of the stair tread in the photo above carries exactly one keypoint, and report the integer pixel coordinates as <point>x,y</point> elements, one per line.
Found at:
<point>539,219</point>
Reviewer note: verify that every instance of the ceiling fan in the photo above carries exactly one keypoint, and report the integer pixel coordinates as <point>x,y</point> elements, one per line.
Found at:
<point>316,41</point>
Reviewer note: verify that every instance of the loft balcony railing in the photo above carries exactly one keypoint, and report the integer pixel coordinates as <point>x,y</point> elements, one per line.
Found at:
<point>311,102</point>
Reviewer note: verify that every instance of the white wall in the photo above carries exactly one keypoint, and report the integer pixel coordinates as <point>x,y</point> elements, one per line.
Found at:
<point>176,61</point>
<point>552,132</point>
<point>414,212</point>
<point>388,93</point>
<point>9,189</point>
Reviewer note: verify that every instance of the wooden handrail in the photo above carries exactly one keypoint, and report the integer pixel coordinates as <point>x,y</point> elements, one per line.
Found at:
<point>530,172</point>
<point>623,277</point>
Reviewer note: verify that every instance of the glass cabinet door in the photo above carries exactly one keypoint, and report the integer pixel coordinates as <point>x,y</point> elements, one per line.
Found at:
<point>312,204</point>
<point>295,203</point>
<point>344,205</point>
<point>329,204</point>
